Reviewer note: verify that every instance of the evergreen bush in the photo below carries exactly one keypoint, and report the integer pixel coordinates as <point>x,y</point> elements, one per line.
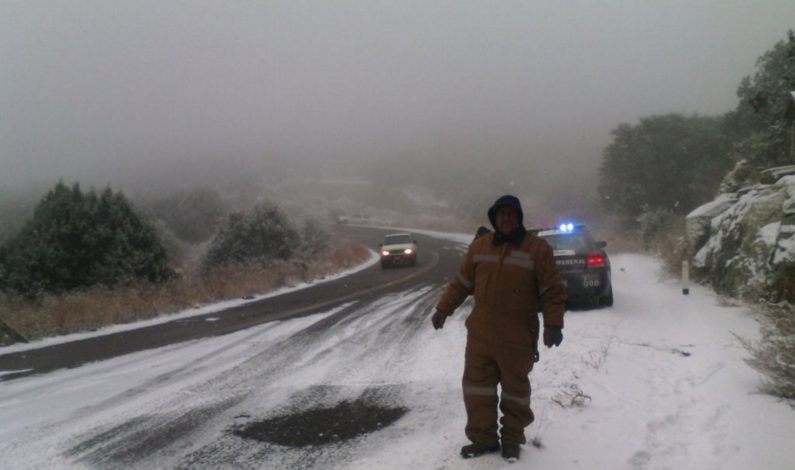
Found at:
<point>77,240</point>
<point>263,235</point>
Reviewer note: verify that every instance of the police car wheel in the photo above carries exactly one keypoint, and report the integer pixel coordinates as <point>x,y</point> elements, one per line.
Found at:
<point>607,300</point>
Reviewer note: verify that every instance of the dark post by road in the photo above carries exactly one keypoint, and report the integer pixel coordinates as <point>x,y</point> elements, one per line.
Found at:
<point>685,278</point>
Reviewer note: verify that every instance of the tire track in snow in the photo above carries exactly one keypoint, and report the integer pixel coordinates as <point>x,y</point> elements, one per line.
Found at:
<point>376,334</point>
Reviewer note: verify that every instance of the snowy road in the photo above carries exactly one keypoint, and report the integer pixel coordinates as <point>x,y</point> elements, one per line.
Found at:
<point>656,382</point>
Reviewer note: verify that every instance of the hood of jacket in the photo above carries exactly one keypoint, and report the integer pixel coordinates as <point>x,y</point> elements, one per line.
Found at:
<point>516,235</point>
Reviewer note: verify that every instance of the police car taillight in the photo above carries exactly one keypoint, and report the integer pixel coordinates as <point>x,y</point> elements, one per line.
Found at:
<point>596,260</point>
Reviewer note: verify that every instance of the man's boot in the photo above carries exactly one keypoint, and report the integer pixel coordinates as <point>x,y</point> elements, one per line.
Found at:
<point>510,452</point>
<point>476,449</point>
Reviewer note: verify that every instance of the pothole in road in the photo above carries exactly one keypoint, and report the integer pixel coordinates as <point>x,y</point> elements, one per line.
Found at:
<point>318,426</point>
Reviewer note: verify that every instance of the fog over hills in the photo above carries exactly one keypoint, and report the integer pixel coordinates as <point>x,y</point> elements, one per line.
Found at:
<point>467,99</point>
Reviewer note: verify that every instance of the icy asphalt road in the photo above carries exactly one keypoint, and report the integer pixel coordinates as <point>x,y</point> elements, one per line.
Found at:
<point>438,259</point>
<point>657,381</point>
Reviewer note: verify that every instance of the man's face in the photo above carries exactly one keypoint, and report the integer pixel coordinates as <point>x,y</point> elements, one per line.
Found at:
<point>507,219</point>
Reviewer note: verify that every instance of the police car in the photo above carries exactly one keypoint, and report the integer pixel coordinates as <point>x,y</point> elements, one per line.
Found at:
<point>583,263</point>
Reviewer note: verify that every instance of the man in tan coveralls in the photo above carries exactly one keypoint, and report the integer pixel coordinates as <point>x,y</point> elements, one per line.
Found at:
<point>513,276</point>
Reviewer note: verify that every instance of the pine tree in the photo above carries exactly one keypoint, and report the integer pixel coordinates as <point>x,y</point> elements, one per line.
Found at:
<point>77,240</point>
<point>669,162</point>
<point>759,124</point>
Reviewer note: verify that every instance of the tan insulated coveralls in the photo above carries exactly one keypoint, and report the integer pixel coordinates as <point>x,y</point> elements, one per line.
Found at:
<point>511,283</point>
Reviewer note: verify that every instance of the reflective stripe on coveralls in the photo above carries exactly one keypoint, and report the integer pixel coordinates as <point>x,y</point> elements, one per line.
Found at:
<point>492,391</point>
<point>478,390</point>
<point>481,258</point>
<point>464,282</point>
<point>515,399</point>
<point>515,258</point>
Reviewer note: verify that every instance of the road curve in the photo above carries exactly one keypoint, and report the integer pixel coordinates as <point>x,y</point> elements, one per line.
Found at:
<point>438,261</point>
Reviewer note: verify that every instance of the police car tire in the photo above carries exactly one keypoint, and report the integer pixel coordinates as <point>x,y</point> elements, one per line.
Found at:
<point>607,300</point>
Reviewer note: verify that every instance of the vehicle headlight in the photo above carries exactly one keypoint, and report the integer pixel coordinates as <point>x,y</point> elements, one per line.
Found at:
<point>384,253</point>
<point>407,251</point>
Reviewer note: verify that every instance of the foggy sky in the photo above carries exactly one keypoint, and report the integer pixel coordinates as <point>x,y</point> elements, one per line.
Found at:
<point>109,91</point>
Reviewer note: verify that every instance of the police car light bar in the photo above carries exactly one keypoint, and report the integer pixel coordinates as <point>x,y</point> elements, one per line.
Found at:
<point>568,227</point>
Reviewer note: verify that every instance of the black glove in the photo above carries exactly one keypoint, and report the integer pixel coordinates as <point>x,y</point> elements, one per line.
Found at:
<point>438,319</point>
<point>553,336</point>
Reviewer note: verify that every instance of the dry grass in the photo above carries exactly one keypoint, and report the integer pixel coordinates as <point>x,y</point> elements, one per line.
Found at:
<point>774,354</point>
<point>98,307</point>
<point>670,247</point>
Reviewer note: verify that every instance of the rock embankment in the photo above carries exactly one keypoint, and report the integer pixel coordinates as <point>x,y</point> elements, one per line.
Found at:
<point>743,243</point>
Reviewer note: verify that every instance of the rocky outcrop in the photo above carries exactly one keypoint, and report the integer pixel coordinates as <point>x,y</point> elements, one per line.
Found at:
<point>743,243</point>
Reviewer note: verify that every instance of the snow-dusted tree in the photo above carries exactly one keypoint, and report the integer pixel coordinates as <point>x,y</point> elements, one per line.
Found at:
<point>669,162</point>
<point>262,235</point>
<point>759,124</point>
<point>77,240</point>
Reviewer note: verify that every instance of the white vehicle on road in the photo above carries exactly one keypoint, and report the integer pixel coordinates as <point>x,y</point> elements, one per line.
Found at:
<point>398,249</point>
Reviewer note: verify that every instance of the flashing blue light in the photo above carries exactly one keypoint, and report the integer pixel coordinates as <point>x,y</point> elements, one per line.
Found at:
<point>569,227</point>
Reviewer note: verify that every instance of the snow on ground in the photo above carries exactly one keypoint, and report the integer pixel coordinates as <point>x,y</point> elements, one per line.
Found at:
<point>656,382</point>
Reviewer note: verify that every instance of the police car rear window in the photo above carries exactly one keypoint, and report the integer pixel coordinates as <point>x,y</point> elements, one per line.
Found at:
<point>573,242</point>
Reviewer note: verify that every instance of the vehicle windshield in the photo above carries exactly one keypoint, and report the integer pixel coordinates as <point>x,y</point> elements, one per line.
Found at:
<point>398,239</point>
<point>567,242</point>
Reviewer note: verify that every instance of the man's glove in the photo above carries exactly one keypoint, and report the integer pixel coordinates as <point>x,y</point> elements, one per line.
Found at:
<point>553,336</point>
<point>438,319</point>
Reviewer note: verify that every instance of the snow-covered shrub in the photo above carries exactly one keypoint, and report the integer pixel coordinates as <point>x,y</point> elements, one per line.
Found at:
<point>774,355</point>
<point>80,239</point>
<point>257,237</point>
